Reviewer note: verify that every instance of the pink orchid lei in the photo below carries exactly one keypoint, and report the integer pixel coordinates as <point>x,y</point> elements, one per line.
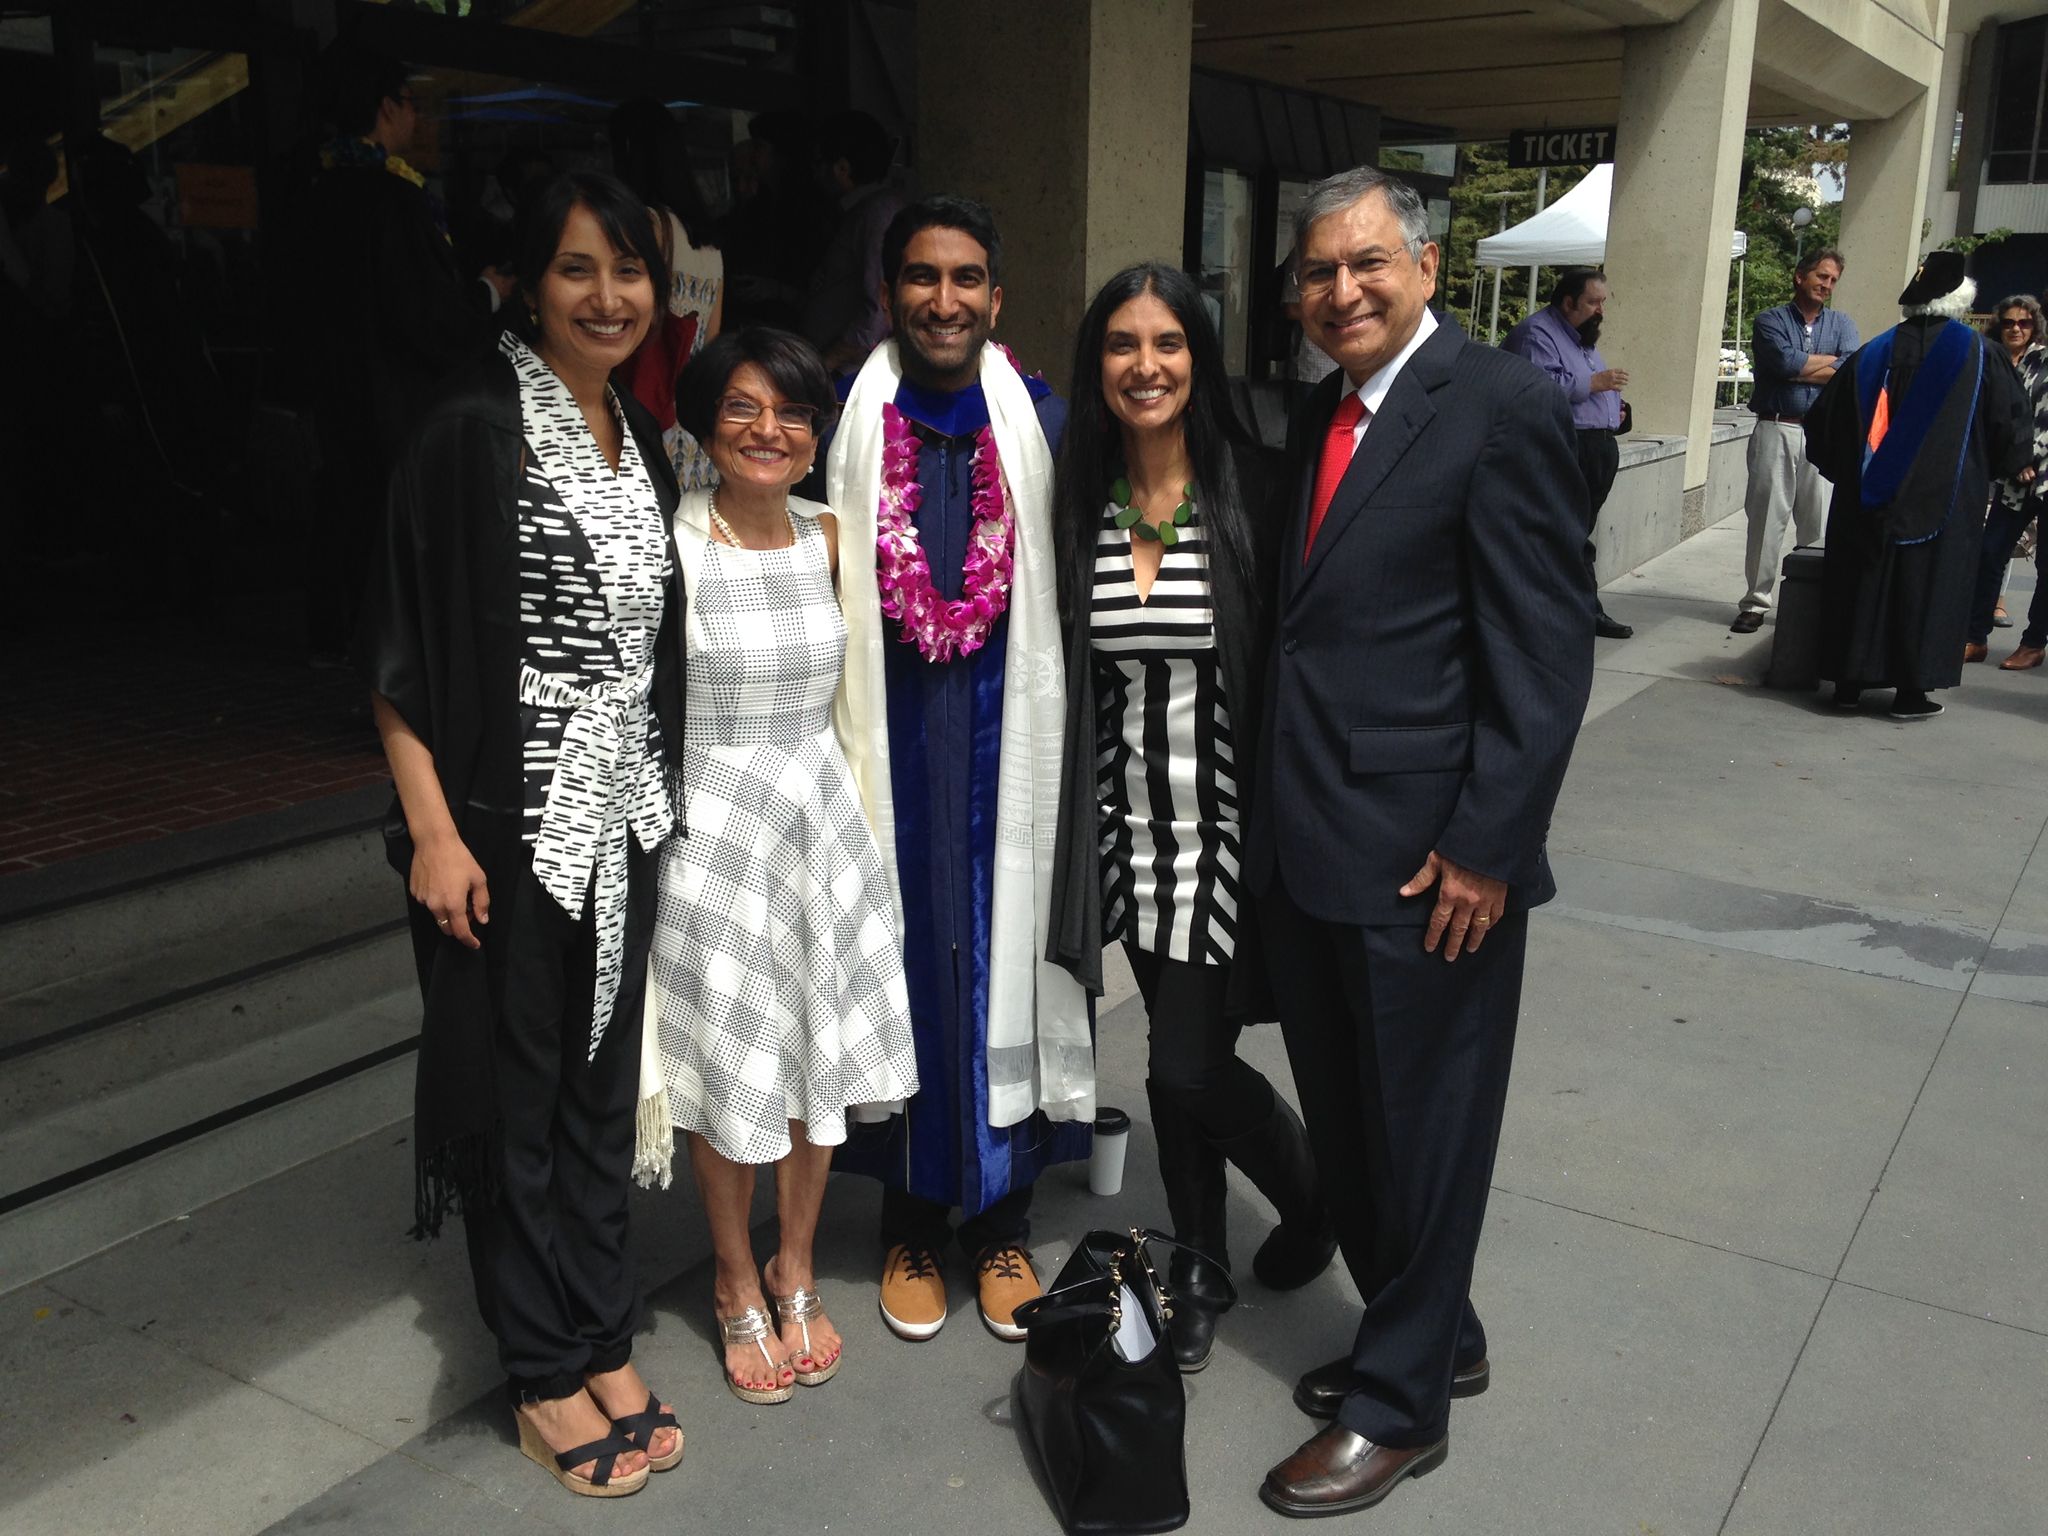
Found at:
<point>939,629</point>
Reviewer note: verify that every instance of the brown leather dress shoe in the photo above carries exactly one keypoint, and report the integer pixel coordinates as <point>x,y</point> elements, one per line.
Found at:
<point>1746,622</point>
<point>1321,1392</point>
<point>1340,1470</point>
<point>2022,658</point>
<point>1975,650</point>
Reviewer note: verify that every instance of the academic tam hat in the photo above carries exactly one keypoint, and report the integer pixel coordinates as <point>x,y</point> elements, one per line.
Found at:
<point>1940,273</point>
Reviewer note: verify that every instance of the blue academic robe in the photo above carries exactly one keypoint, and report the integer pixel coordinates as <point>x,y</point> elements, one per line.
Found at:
<point>945,728</point>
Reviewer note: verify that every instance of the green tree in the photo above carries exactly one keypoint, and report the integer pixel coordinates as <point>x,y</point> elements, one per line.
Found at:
<point>1475,213</point>
<point>1774,163</point>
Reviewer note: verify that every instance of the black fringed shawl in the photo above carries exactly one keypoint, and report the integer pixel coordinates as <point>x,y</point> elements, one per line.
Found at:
<point>440,641</point>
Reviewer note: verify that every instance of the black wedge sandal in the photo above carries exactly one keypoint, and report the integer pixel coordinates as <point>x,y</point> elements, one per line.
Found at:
<point>639,1430</point>
<point>605,1452</point>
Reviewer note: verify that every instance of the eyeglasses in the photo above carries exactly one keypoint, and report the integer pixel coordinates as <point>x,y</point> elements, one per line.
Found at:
<point>797,417</point>
<point>1319,277</point>
<point>2024,322</point>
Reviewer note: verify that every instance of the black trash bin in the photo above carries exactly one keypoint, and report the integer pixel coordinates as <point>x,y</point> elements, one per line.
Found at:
<point>1795,642</point>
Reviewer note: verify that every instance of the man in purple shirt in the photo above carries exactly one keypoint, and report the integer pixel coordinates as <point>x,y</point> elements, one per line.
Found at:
<point>1560,339</point>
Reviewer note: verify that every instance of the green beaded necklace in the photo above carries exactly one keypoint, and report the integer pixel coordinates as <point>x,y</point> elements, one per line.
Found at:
<point>1133,518</point>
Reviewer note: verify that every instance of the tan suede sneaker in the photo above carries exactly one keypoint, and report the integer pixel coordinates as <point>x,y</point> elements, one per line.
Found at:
<point>913,1292</point>
<point>1007,1281</point>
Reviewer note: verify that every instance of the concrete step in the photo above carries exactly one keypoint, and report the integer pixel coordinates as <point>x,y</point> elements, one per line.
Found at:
<point>47,1070</point>
<point>172,1040</point>
<point>89,956</point>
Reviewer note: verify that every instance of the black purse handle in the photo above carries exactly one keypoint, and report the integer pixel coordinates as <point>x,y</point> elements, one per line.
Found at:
<point>1071,1296</point>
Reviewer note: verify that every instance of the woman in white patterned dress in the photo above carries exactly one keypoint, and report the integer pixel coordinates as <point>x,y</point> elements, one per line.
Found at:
<point>777,992</point>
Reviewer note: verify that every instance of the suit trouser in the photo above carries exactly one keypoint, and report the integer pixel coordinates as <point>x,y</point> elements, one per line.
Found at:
<point>1785,492</point>
<point>549,1260</point>
<point>1401,1061</point>
<point>1599,461</point>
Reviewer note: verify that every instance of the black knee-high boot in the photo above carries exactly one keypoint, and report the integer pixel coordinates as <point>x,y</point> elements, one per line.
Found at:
<point>1191,1168</point>
<point>1276,1158</point>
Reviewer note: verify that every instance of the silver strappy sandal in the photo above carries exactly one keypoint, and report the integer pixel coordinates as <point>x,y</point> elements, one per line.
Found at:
<point>751,1327</point>
<point>799,1307</point>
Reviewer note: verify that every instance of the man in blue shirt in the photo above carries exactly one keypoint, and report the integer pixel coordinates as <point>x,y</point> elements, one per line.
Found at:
<point>1561,339</point>
<point>1795,349</point>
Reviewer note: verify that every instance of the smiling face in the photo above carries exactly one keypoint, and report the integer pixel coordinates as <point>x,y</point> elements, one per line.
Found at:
<point>1818,286</point>
<point>595,301</point>
<point>943,307</point>
<point>1363,311</point>
<point>1147,370</point>
<point>763,453</point>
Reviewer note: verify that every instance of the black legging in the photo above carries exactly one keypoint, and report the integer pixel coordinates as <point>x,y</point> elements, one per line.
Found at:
<point>1193,1055</point>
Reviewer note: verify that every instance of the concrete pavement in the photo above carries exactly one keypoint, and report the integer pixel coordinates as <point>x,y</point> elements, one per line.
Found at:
<point>1765,1252</point>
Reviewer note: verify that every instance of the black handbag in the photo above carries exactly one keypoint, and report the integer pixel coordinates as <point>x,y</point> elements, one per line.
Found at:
<point>1101,1395</point>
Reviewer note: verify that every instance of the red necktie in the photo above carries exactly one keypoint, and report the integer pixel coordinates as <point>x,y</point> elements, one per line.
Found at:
<point>1337,446</point>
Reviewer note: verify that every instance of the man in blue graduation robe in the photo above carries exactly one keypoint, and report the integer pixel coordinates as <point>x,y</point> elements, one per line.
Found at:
<point>945,1150</point>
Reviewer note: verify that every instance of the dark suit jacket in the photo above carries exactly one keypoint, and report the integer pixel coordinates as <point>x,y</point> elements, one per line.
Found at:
<point>1431,660</point>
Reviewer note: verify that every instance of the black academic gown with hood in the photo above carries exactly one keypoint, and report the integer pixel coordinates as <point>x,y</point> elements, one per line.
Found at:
<point>440,640</point>
<point>1898,577</point>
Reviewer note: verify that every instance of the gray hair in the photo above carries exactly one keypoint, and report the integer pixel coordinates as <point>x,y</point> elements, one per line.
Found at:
<point>2024,301</point>
<point>1333,194</point>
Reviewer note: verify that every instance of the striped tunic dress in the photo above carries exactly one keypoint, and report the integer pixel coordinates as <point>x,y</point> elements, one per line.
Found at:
<point>1164,776</point>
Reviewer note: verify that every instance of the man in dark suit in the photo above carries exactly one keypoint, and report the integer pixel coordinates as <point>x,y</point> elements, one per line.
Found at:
<point>1429,671</point>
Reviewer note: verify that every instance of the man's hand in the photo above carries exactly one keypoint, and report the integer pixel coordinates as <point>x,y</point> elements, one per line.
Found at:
<point>1467,904</point>
<point>1608,378</point>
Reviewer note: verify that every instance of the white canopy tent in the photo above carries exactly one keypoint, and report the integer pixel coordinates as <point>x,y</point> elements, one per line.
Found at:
<point>1571,232</point>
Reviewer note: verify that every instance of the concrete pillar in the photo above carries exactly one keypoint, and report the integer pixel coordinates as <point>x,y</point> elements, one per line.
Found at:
<point>1684,101</point>
<point>1882,200</point>
<point>1069,118</point>
<point>1941,213</point>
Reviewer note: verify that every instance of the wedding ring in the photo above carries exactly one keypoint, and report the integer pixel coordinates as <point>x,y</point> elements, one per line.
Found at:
<point>1484,918</point>
<point>444,921</point>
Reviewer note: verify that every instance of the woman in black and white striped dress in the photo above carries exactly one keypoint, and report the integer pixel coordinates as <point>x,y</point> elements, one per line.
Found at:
<point>1167,533</point>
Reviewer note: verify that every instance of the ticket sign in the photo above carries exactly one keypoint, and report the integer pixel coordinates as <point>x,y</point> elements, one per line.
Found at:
<point>1533,147</point>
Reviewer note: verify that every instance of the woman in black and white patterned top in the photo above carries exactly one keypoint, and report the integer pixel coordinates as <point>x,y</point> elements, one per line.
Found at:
<point>519,641</point>
<point>1167,532</point>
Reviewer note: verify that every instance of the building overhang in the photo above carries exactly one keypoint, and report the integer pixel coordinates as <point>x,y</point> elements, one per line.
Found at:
<point>1477,69</point>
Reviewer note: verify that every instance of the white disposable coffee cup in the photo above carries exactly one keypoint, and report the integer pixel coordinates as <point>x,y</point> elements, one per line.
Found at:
<point>1106,1163</point>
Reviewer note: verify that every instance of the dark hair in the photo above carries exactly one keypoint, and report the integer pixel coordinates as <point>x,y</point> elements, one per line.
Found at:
<point>856,138</point>
<point>791,363</point>
<point>619,213</point>
<point>651,155</point>
<point>942,212</point>
<point>1573,282</point>
<point>357,82</point>
<point>1092,448</point>
<point>1813,259</point>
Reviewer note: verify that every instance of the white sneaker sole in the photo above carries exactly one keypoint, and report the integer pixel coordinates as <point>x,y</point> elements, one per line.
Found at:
<point>915,1332</point>
<point>1009,1333</point>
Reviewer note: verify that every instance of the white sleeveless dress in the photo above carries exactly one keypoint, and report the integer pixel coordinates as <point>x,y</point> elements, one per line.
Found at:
<point>776,962</point>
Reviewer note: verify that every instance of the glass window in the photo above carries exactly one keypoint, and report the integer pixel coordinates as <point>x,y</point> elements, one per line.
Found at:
<point>2015,136</point>
<point>1226,275</point>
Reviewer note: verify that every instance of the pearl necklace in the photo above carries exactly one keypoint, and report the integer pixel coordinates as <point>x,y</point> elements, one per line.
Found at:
<point>719,522</point>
